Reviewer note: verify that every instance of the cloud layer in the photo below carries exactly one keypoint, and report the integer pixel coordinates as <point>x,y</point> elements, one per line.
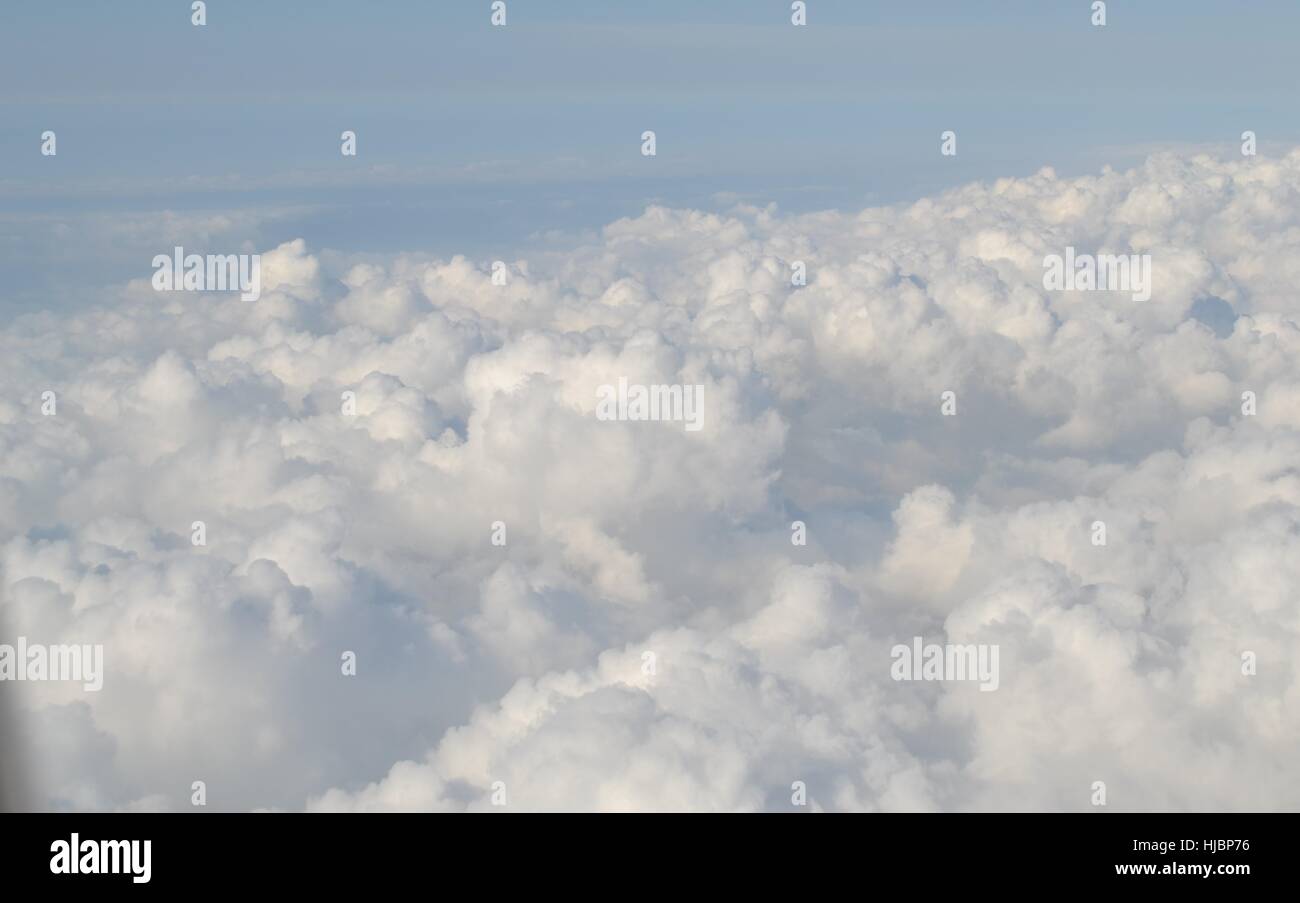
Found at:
<point>526,663</point>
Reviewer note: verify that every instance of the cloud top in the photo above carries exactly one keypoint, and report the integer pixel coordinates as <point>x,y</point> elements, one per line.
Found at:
<point>525,663</point>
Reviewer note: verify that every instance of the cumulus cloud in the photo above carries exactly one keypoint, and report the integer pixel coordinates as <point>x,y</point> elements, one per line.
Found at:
<point>647,636</point>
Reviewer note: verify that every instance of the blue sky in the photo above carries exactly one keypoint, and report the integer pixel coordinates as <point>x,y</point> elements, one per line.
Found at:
<point>480,140</point>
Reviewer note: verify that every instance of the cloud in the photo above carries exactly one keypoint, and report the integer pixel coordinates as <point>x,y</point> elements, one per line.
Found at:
<point>648,637</point>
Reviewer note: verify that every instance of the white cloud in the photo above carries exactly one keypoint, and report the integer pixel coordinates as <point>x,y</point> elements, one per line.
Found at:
<point>524,663</point>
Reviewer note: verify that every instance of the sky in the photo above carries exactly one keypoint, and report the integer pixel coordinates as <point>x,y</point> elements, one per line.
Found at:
<point>398,458</point>
<point>490,141</point>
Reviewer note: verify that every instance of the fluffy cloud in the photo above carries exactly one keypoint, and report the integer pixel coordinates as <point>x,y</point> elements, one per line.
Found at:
<point>648,637</point>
